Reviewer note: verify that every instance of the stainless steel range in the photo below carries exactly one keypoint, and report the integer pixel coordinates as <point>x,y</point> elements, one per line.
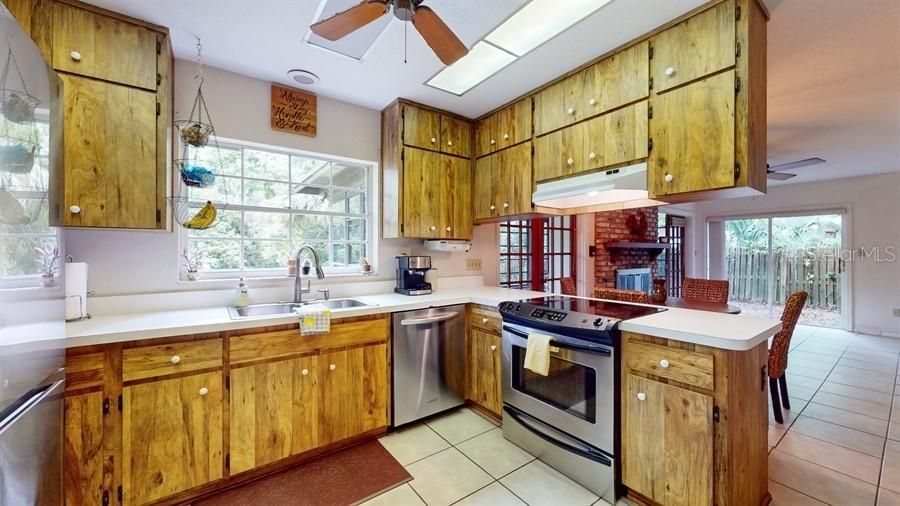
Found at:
<point>568,418</point>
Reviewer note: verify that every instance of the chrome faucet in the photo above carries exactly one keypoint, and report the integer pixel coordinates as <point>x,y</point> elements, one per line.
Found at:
<point>298,283</point>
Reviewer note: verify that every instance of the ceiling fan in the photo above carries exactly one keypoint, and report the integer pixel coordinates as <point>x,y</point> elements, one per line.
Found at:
<point>436,33</point>
<point>775,171</point>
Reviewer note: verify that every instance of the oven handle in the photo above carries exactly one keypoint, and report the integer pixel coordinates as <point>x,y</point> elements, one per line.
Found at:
<point>586,452</point>
<point>565,346</point>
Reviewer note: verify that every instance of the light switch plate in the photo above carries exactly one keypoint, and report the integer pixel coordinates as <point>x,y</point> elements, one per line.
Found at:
<point>473,264</point>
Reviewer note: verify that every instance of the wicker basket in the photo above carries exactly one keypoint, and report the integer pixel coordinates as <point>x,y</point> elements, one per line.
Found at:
<point>194,133</point>
<point>186,210</point>
<point>21,205</point>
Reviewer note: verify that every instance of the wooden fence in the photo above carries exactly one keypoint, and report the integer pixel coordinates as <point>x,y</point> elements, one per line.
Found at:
<point>814,271</point>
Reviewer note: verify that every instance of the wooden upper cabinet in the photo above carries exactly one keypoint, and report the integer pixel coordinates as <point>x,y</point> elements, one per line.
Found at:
<point>515,180</point>
<point>172,433</point>
<point>421,127</point>
<point>550,112</point>
<point>696,47</point>
<point>512,124</point>
<point>422,193</point>
<point>693,138</point>
<point>615,138</point>
<point>559,154</point>
<point>456,195</point>
<point>110,155</point>
<point>103,47</point>
<point>484,205</point>
<point>621,79</point>
<point>486,135</point>
<point>456,136</point>
<point>667,442</point>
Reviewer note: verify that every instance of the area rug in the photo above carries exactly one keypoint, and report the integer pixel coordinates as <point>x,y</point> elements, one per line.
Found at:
<point>344,478</point>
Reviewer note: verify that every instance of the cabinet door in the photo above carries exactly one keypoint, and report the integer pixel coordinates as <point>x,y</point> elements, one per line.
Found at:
<point>422,199</point>
<point>456,136</point>
<point>353,392</point>
<point>100,46</point>
<point>617,137</point>
<point>618,80</point>
<point>110,155</point>
<point>484,205</point>
<point>667,442</point>
<point>692,130</point>
<point>514,124</point>
<point>456,198</point>
<point>484,370</point>
<point>486,136</point>
<point>83,454</point>
<point>696,47</point>
<point>421,128</point>
<point>550,108</point>
<point>558,154</point>
<point>274,412</point>
<point>516,177</point>
<point>171,436</point>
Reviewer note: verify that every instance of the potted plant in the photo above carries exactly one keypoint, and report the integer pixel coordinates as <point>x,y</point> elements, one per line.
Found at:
<point>47,259</point>
<point>192,262</point>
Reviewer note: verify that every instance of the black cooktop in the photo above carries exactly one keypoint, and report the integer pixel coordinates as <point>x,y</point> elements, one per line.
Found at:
<point>613,310</point>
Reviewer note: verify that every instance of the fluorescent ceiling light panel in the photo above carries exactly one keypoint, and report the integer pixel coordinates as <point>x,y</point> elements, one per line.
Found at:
<point>540,21</point>
<point>483,61</point>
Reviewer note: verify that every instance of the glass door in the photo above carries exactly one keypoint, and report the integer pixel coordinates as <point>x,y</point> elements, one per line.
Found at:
<point>747,265</point>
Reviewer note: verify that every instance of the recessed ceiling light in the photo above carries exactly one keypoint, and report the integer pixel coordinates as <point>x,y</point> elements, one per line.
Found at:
<point>539,21</point>
<point>303,77</point>
<point>483,61</point>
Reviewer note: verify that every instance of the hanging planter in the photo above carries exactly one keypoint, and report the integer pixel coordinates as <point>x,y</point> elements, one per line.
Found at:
<point>197,129</point>
<point>18,105</point>
<point>21,205</point>
<point>195,176</point>
<point>17,158</point>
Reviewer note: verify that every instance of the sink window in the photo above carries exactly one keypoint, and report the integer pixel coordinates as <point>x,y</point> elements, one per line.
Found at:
<point>279,199</point>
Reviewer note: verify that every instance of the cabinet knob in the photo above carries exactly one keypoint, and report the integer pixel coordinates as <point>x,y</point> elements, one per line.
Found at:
<point>505,136</point>
<point>433,140</point>
<point>570,161</point>
<point>505,205</point>
<point>670,71</point>
<point>493,207</point>
<point>493,347</point>
<point>203,391</point>
<point>669,178</point>
<point>592,101</point>
<point>432,228</point>
<point>305,372</point>
<point>448,229</point>
<point>175,359</point>
<point>449,143</point>
<point>592,155</point>
<point>642,396</point>
<point>484,320</point>
<point>74,209</point>
<point>664,363</point>
<point>493,142</point>
<point>332,367</point>
<point>571,110</point>
<point>76,56</point>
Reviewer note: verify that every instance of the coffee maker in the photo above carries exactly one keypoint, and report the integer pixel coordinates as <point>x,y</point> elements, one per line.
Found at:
<point>411,275</point>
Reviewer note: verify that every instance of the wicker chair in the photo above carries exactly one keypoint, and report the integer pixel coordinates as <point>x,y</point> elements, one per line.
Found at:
<point>568,286</point>
<point>778,353</point>
<point>710,290</point>
<point>622,295</point>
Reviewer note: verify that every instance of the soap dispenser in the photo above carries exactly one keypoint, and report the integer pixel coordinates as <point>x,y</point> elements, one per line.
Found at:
<point>242,295</point>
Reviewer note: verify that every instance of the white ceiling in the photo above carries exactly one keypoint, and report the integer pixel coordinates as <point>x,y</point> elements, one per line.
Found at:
<point>264,39</point>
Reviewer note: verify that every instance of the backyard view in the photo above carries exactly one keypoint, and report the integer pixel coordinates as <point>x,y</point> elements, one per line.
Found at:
<point>803,254</point>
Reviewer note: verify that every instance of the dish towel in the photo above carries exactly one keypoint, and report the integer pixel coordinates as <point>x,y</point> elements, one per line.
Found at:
<point>537,354</point>
<point>314,319</point>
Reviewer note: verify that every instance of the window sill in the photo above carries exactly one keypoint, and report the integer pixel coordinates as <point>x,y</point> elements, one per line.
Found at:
<point>234,278</point>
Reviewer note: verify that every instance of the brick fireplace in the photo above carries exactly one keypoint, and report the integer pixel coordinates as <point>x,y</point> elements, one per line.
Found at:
<point>613,226</point>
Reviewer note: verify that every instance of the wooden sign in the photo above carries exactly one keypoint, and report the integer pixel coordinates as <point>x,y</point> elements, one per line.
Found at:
<point>293,111</point>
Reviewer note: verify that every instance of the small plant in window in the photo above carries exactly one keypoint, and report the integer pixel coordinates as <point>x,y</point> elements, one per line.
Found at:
<point>192,263</point>
<point>48,260</point>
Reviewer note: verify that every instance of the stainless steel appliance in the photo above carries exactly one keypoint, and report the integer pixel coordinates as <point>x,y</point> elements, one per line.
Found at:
<point>568,418</point>
<point>32,322</point>
<point>411,275</point>
<point>429,362</point>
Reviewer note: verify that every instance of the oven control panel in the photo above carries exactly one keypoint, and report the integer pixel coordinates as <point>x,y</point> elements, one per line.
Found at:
<point>548,314</point>
<point>563,319</point>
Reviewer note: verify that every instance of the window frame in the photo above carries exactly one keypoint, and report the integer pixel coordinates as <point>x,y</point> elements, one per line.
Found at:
<point>537,257</point>
<point>370,215</point>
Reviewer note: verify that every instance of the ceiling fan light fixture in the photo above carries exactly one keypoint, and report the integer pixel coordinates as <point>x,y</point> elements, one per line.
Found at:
<point>482,61</point>
<point>539,21</point>
<point>303,77</point>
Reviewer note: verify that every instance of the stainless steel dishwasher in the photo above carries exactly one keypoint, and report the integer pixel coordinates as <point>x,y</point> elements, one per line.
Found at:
<point>429,360</point>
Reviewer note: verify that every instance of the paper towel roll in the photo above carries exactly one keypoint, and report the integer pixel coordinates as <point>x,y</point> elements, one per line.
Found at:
<point>76,290</point>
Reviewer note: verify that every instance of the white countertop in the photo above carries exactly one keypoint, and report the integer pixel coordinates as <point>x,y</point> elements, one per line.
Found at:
<point>700,327</point>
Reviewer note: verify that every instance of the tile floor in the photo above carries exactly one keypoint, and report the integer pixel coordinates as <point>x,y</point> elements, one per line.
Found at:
<point>839,445</point>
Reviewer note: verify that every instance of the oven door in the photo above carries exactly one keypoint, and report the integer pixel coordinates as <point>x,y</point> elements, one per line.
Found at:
<point>578,394</point>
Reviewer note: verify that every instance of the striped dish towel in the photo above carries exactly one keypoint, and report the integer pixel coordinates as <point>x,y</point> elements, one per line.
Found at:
<point>314,319</point>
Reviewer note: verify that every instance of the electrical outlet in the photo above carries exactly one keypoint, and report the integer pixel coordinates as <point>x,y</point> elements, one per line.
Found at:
<point>473,264</point>
<point>897,312</point>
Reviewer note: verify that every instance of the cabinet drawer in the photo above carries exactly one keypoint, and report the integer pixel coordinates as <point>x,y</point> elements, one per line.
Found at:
<point>689,367</point>
<point>486,320</point>
<point>152,361</point>
<point>106,48</point>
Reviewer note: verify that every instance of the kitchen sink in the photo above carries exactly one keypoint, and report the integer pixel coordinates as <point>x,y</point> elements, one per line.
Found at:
<point>280,308</point>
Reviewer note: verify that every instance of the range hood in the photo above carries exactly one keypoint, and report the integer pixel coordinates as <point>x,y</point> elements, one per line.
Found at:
<point>622,188</point>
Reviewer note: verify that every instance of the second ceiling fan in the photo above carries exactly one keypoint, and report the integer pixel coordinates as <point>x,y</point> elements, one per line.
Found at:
<point>436,33</point>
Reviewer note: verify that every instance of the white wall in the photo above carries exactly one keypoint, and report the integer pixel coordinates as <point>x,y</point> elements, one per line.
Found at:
<point>873,203</point>
<point>126,262</point>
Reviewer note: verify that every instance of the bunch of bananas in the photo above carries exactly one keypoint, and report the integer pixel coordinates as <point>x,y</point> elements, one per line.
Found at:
<point>204,218</point>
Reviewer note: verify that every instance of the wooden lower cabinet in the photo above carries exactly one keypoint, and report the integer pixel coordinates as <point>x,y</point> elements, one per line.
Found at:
<point>83,452</point>
<point>484,370</point>
<point>171,436</point>
<point>353,392</point>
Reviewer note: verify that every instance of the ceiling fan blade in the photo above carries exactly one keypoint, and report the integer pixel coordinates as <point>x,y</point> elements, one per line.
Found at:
<point>795,164</point>
<point>352,19</point>
<point>780,176</point>
<point>438,35</point>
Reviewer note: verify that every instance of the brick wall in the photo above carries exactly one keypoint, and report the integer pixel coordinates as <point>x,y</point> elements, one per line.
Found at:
<point>611,226</point>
